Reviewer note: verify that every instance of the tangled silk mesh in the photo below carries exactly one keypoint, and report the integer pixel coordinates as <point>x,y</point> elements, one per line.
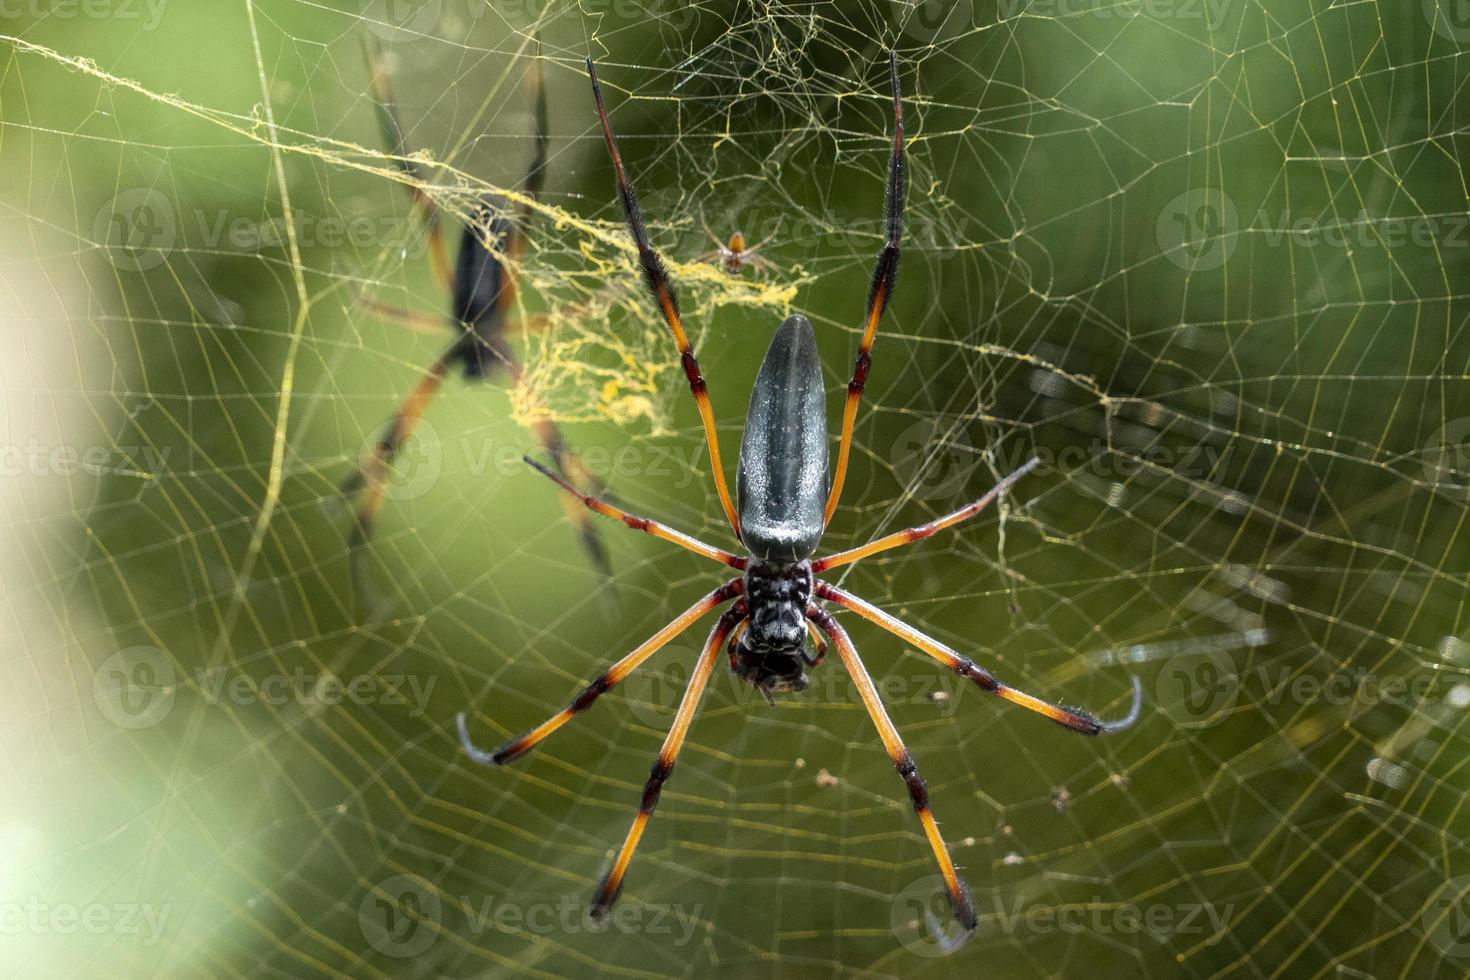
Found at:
<point>1206,259</point>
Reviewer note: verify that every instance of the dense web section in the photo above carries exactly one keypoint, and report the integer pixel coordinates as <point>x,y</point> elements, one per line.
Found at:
<point>1206,260</point>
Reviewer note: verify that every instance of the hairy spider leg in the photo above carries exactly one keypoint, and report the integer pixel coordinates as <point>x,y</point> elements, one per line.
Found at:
<point>656,278</point>
<point>604,682</point>
<point>1074,719</point>
<point>959,892</point>
<point>885,275</point>
<point>910,535</point>
<point>644,524</point>
<point>382,86</point>
<point>371,475</point>
<point>612,882</point>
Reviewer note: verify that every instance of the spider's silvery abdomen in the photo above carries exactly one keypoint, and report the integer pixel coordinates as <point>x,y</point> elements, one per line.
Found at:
<point>781,481</point>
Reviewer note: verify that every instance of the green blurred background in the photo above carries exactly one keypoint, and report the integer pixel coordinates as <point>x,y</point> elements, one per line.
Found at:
<point>1206,259</point>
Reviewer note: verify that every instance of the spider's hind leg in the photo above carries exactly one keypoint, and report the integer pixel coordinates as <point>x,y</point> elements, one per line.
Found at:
<point>370,479</point>
<point>959,892</point>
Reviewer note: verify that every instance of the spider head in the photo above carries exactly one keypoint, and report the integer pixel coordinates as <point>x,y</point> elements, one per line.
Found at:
<point>770,653</point>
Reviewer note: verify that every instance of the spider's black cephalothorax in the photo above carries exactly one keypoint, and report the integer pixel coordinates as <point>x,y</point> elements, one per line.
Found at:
<point>770,653</point>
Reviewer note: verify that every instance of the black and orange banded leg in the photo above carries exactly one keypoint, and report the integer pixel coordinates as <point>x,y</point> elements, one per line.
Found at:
<point>657,279</point>
<point>885,275</point>
<point>570,465</point>
<point>643,524</point>
<point>819,642</point>
<point>513,245</point>
<point>912,534</point>
<point>1074,719</point>
<point>398,146</point>
<point>605,682</point>
<point>433,324</point>
<point>959,892</point>
<point>372,473</point>
<point>612,882</point>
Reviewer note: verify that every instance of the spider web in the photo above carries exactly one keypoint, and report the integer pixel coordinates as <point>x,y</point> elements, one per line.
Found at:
<point>1205,258</point>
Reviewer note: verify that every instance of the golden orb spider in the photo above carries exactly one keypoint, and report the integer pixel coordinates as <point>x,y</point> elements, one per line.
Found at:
<point>734,255</point>
<point>785,503</point>
<point>481,284</point>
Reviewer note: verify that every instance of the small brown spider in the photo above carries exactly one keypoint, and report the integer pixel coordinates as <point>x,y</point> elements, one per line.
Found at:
<point>734,255</point>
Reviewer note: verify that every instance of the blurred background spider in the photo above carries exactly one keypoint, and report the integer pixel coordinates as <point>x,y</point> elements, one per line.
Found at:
<point>482,289</point>
<point>785,504</point>
<point>734,255</point>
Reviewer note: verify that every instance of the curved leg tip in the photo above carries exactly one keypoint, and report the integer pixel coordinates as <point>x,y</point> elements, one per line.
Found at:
<point>948,940</point>
<point>475,753</point>
<point>1105,727</point>
<point>601,906</point>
